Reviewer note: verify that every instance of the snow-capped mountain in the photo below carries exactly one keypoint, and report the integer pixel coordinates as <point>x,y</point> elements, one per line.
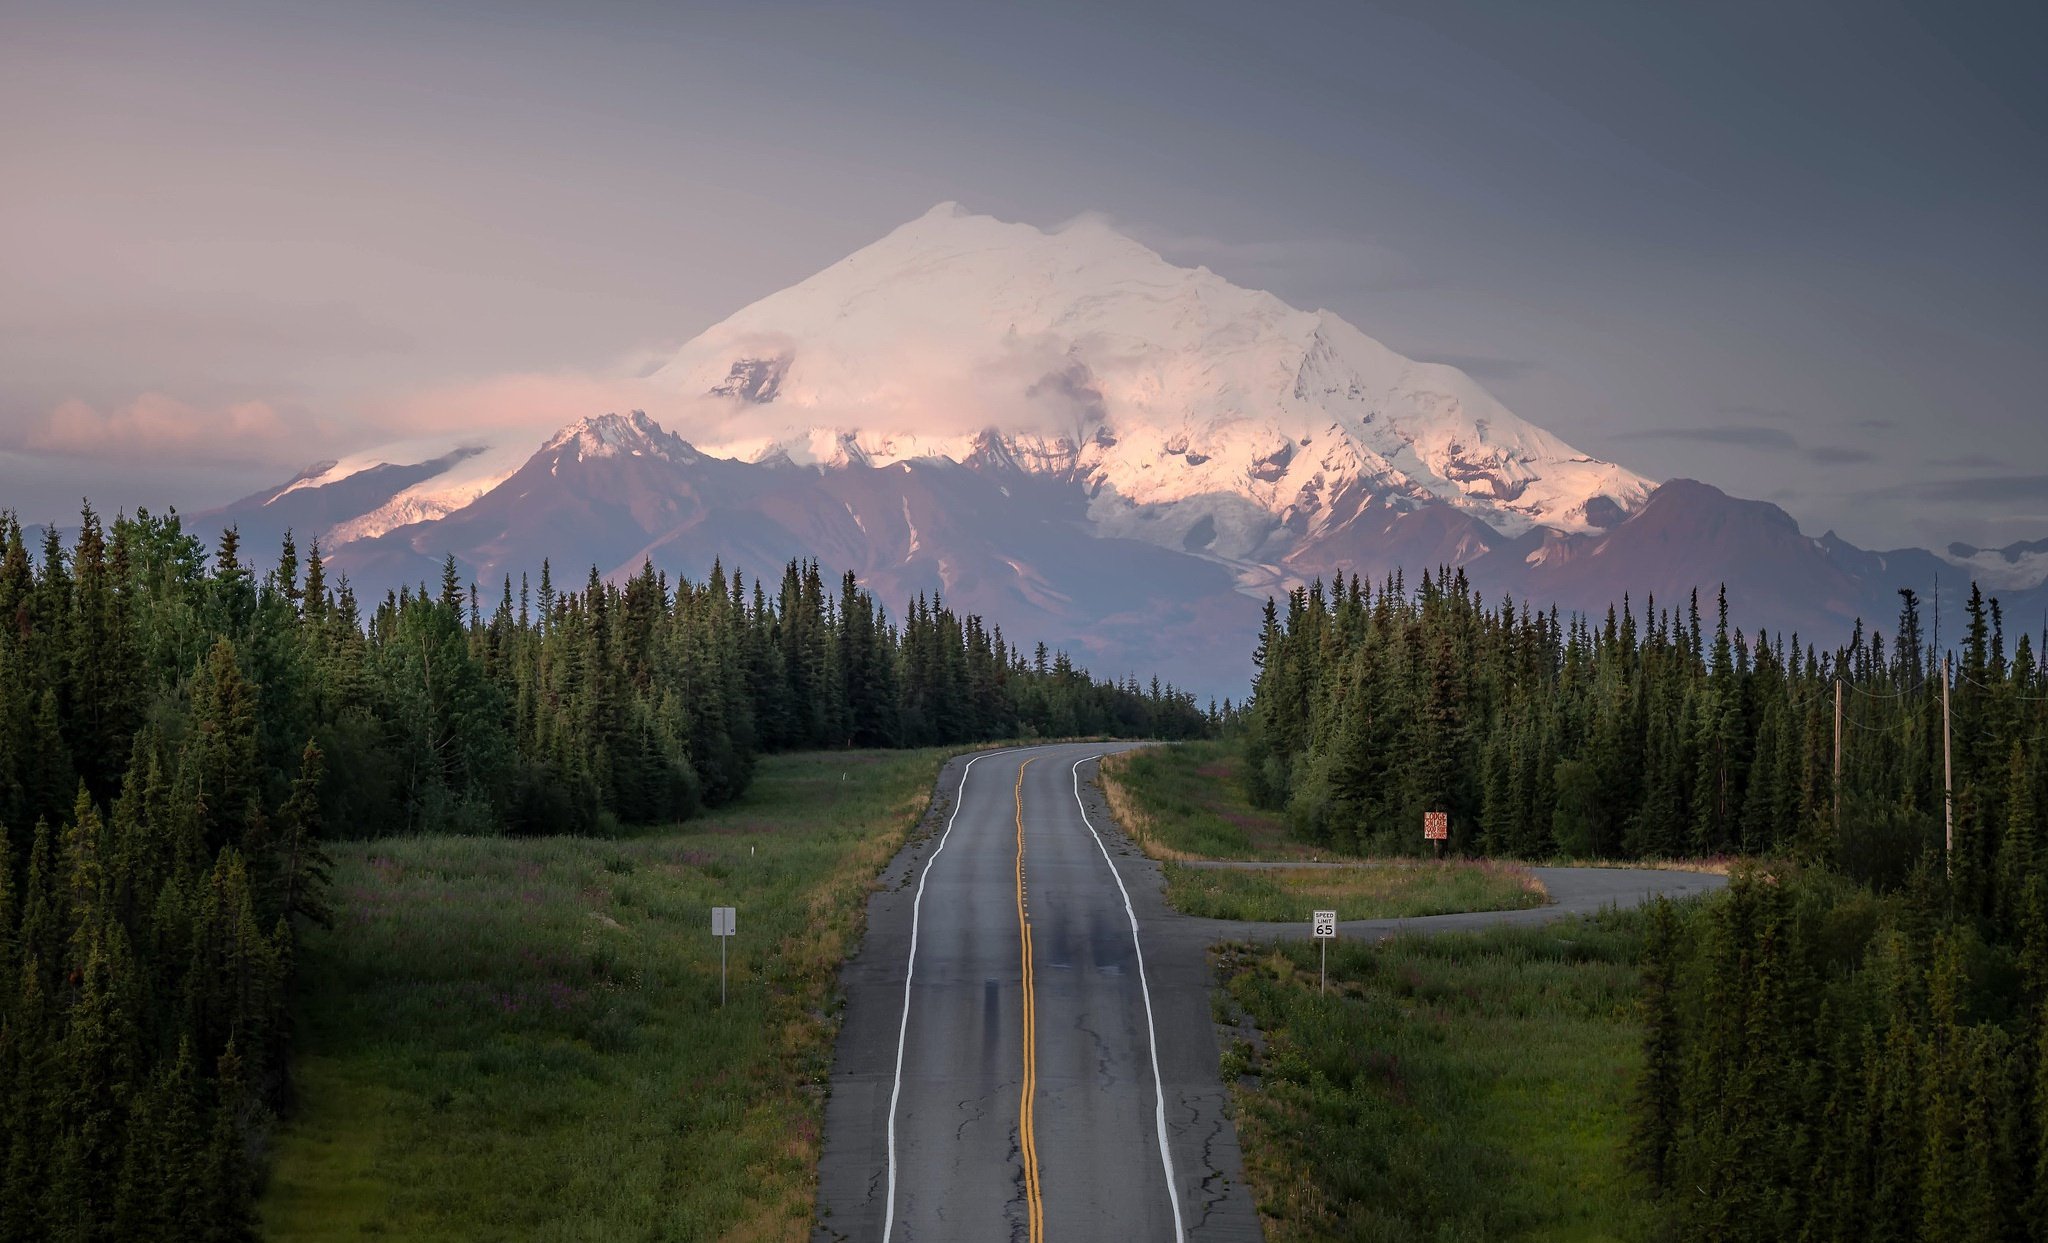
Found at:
<point>367,494</point>
<point>2023,564</point>
<point>617,491</point>
<point>1187,406</point>
<point>1089,446</point>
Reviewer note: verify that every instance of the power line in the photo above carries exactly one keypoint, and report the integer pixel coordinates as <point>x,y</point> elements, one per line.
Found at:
<point>2000,690</point>
<point>1880,694</point>
<point>1817,697</point>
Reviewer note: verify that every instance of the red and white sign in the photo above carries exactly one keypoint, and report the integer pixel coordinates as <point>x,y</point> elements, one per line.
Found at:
<point>1436,826</point>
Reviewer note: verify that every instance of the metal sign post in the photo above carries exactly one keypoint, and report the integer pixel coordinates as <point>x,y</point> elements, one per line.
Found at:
<point>723,925</point>
<point>1325,927</point>
<point>1436,827</point>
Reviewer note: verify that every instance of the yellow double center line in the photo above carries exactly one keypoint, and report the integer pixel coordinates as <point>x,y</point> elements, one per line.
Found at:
<point>1027,1127</point>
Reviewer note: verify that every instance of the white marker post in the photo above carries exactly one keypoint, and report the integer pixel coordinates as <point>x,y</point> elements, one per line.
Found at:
<point>722,926</point>
<point>1325,932</point>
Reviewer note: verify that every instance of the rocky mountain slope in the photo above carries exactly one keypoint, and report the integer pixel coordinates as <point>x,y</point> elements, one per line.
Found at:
<point>1086,444</point>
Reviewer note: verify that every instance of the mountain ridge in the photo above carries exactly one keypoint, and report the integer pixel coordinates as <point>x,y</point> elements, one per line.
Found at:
<point>1019,548</point>
<point>1070,435</point>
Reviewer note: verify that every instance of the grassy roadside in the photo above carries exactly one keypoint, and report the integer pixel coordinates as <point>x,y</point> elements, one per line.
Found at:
<point>1368,891</point>
<point>520,1038</point>
<point>1186,801</point>
<point>1464,1087</point>
<point>1717,865</point>
<point>1472,1086</point>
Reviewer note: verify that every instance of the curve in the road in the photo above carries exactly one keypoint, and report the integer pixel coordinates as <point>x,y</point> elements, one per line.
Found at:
<point>1573,891</point>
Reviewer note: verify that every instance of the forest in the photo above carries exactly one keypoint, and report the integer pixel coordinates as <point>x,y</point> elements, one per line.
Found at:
<point>180,730</point>
<point>1852,1043</point>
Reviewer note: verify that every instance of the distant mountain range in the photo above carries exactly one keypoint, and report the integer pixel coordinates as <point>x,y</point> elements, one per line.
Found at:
<point>1086,444</point>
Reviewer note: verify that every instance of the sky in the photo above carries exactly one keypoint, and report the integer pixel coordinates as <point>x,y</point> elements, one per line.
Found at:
<point>1795,250</point>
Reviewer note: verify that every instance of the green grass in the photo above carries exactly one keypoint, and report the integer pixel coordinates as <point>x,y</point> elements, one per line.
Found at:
<point>1464,1087</point>
<point>521,1038</point>
<point>1186,801</point>
<point>1367,891</point>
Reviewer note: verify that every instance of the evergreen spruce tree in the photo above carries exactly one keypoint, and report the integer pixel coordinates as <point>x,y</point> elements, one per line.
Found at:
<point>303,865</point>
<point>1658,1107</point>
<point>2037,1209</point>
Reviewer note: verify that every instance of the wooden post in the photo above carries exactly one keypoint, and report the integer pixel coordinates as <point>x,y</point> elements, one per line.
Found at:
<point>1948,771</point>
<point>1838,759</point>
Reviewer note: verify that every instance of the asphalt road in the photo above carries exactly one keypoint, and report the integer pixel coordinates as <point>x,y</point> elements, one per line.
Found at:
<point>1573,891</point>
<point>1028,1051</point>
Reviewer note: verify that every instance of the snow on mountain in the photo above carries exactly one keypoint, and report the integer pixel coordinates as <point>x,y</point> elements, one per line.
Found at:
<point>615,435</point>
<point>1254,424</point>
<point>410,482</point>
<point>451,472</point>
<point>1091,446</point>
<point>2015,565</point>
<point>617,491</point>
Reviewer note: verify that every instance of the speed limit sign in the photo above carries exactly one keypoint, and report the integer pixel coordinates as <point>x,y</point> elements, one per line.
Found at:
<point>1325,926</point>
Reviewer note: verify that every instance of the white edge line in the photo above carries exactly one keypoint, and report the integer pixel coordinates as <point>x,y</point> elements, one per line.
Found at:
<point>910,969</point>
<point>1151,1037</point>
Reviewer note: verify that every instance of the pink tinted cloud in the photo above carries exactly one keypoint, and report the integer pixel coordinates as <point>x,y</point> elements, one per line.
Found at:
<point>156,426</point>
<point>530,399</point>
<point>936,399</point>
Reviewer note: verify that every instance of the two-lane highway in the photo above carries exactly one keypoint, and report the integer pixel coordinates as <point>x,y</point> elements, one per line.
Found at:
<point>1016,1088</point>
<point>1028,1052</point>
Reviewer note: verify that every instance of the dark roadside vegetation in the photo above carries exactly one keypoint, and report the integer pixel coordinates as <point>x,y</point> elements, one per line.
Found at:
<point>184,738</point>
<point>522,1038</point>
<point>1850,1043</point>
<point>1467,1086</point>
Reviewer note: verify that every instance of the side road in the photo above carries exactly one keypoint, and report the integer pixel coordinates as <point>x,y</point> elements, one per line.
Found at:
<point>1573,891</point>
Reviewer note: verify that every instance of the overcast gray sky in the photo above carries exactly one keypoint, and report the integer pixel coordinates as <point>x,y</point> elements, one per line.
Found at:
<point>1794,250</point>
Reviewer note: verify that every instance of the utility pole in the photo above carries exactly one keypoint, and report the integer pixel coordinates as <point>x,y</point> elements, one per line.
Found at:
<point>1948,771</point>
<point>1937,612</point>
<point>1838,759</point>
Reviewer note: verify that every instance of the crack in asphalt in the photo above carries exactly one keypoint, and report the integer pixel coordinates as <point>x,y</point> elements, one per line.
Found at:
<point>960,1132</point>
<point>1019,1201</point>
<point>1197,1109</point>
<point>1215,1187</point>
<point>1102,1050</point>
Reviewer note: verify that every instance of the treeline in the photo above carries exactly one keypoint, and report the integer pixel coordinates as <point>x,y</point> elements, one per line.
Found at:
<point>178,731</point>
<point>1852,1044</point>
<point>153,863</point>
<point>1828,1063</point>
<point>1859,1051</point>
<point>1662,735</point>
